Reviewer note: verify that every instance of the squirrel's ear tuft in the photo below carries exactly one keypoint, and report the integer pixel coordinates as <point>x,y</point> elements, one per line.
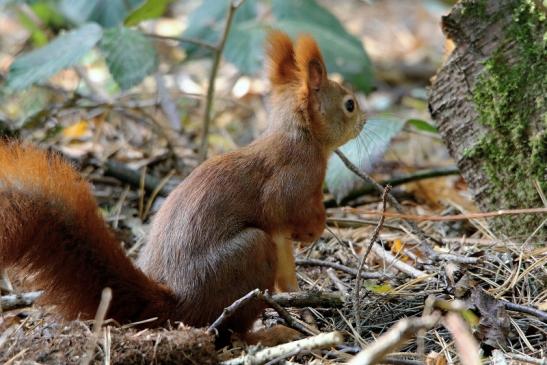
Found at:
<point>311,67</point>
<point>281,61</point>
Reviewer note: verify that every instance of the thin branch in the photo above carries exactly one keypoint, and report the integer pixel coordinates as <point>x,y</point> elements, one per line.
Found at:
<point>312,298</point>
<point>394,338</point>
<point>212,77</point>
<point>260,357</point>
<point>14,301</point>
<point>526,309</point>
<point>106,297</point>
<point>356,223</point>
<point>410,225</point>
<point>346,269</point>
<point>132,177</point>
<point>167,104</point>
<point>342,288</point>
<point>466,345</point>
<point>283,313</point>
<point>357,296</point>
<point>528,359</point>
<point>454,217</point>
<point>193,41</point>
<point>459,259</point>
<point>396,181</point>
<point>230,310</point>
<point>389,259</point>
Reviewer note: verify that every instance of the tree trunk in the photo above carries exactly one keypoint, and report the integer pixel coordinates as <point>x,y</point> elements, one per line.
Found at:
<point>489,103</point>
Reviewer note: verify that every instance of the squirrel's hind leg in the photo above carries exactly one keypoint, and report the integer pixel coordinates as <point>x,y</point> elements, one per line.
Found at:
<point>248,262</point>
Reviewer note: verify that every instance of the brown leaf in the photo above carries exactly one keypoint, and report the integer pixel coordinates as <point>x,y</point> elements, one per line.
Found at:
<point>494,321</point>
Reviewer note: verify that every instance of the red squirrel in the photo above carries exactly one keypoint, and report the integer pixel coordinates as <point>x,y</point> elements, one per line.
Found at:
<point>224,231</point>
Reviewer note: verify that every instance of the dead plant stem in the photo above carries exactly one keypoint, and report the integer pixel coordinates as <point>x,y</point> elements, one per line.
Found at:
<point>217,54</point>
<point>357,297</point>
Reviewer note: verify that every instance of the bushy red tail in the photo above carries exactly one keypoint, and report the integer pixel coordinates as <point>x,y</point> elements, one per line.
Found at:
<point>50,226</point>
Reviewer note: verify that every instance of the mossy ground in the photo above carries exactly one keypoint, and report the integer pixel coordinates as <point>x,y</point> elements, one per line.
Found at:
<point>509,96</point>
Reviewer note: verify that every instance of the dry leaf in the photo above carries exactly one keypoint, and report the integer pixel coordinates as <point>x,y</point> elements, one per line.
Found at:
<point>494,324</point>
<point>77,131</point>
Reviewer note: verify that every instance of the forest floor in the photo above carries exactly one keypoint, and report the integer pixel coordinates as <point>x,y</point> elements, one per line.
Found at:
<point>461,286</point>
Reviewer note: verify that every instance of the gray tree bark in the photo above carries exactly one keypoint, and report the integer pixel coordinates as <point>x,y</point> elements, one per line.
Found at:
<point>489,103</point>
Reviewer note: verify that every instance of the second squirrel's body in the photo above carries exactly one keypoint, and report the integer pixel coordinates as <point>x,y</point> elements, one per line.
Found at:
<point>224,231</point>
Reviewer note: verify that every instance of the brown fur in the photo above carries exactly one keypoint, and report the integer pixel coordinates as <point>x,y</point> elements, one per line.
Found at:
<point>222,232</point>
<point>51,226</point>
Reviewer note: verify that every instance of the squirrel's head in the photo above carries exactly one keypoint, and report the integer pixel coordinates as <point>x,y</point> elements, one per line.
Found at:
<point>323,108</point>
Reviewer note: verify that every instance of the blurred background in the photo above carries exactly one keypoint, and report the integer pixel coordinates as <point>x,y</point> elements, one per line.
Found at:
<point>127,81</point>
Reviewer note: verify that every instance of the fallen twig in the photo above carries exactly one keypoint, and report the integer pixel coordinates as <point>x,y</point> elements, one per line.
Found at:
<point>312,298</point>
<point>106,297</point>
<point>455,217</point>
<point>289,320</point>
<point>14,301</point>
<point>346,269</point>
<point>459,259</point>
<point>528,359</point>
<point>260,357</point>
<point>230,310</point>
<point>133,177</point>
<point>394,338</point>
<point>466,345</point>
<point>342,288</point>
<point>357,296</point>
<point>353,223</point>
<point>526,309</point>
<point>389,259</point>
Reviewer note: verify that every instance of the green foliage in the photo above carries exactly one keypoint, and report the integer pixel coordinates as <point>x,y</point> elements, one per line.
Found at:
<point>150,9</point>
<point>48,15</point>
<point>107,13</point>
<point>42,63</point>
<point>364,151</point>
<point>207,22</point>
<point>343,52</point>
<point>130,55</point>
<point>422,125</point>
<point>39,37</point>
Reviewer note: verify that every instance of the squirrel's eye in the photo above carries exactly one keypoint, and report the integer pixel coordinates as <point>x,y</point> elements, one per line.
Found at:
<point>350,105</point>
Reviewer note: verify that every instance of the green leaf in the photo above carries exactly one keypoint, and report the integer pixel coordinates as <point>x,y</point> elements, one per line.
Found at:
<point>245,46</point>
<point>422,125</point>
<point>343,52</point>
<point>150,9</point>
<point>130,55</point>
<point>364,151</point>
<point>39,37</point>
<point>207,22</point>
<point>108,13</point>
<point>64,51</point>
